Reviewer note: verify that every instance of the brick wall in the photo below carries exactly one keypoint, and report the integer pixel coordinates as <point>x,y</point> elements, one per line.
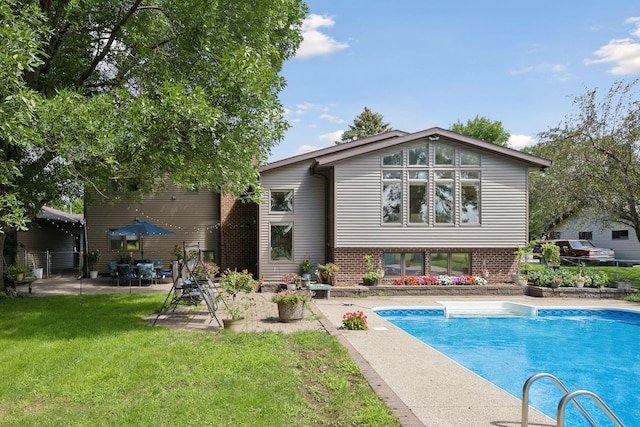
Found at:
<point>498,262</point>
<point>238,234</point>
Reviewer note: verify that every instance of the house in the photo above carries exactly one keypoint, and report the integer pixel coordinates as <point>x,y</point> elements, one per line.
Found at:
<point>602,233</point>
<point>430,202</point>
<point>53,241</point>
<point>223,229</point>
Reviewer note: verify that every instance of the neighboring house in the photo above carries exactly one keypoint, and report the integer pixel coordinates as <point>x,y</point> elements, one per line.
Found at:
<point>603,233</point>
<point>223,229</point>
<point>53,241</point>
<point>430,202</point>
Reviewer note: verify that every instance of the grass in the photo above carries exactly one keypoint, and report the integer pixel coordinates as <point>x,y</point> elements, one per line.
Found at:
<point>90,360</point>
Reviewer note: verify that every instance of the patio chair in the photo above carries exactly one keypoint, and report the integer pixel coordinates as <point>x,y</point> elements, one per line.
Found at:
<point>113,271</point>
<point>146,271</point>
<point>124,273</point>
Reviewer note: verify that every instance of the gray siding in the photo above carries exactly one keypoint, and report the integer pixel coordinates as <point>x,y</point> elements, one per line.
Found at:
<point>193,216</point>
<point>358,223</point>
<point>308,218</point>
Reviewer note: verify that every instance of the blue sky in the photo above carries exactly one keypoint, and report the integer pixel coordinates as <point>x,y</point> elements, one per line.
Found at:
<point>426,63</point>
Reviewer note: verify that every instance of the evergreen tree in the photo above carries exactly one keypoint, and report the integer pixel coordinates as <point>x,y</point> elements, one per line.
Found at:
<point>366,124</point>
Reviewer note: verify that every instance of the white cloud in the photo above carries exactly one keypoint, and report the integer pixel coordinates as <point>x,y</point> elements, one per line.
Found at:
<point>559,71</point>
<point>331,137</point>
<point>330,118</point>
<point>315,42</point>
<point>624,53</point>
<point>306,149</point>
<point>518,142</point>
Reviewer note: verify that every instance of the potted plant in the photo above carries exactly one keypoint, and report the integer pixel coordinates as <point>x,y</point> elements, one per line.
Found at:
<point>328,272</point>
<point>307,269</point>
<point>232,284</point>
<point>581,280</point>
<point>291,280</point>
<point>16,272</point>
<point>291,304</point>
<point>523,279</point>
<point>92,258</point>
<point>371,277</point>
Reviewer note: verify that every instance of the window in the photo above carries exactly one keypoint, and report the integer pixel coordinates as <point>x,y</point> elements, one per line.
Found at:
<point>620,234</point>
<point>470,194</point>
<point>469,159</point>
<point>398,264</point>
<point>394,159</point>
<point>281,201</point>
<point>124,243</point>
<point>392,197</point>
<point>419,156</point>
<point>452,264</point>
<point>585,235</point>
<point>418,197</point>
<point>444,155</point>
<point>281,242</point>
<point>444,197</point>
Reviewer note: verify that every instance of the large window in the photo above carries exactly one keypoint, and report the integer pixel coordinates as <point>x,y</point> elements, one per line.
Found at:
<point>585,235</point>
<point>281,242</point>
<point>392,197</point>
<point>620,234</point>
<point>418,197</point>
<point>444,197</point>
<point>281,201</point>
<point>470,193</point>
<point>449,263</point>
<point>398,264</point>
<point>431,184</point>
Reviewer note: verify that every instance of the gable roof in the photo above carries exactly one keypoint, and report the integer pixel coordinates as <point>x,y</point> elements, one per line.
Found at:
<point>386,140</point>
<point>51,214</point>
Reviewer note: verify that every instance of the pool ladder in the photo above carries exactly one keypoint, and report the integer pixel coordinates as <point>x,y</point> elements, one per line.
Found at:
<point>568,397</point>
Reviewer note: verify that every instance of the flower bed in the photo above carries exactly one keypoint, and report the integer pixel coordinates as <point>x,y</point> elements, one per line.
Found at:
<point>441,280</point>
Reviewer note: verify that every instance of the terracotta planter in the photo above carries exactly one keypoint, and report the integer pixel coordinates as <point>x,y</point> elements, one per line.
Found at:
<point>290,312</point>
<point>234,325</point>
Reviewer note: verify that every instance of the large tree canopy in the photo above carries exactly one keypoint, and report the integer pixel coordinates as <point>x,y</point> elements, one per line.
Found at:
<point>365,124</point>
<point>596,153</point>
<point>125,90</point>
<point>484,129</point>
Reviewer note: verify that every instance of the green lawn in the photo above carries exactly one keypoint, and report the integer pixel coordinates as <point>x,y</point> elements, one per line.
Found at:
<point>91,361</point>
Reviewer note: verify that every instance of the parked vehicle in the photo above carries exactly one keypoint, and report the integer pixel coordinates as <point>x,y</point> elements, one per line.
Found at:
<point>579,251</point>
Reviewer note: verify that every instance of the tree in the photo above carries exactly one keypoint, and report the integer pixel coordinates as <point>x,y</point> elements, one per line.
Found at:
<point>123,92</point>
<point>365,124</point>
<point>596,155</point>
<point>484,129</point>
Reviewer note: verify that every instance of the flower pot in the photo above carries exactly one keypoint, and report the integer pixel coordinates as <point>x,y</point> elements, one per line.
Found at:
<point>370,282</point>
<point>93,274</point>
<point>38,273</point>
<point>291,286</point>
<point>522,282</point>
<point>290,312</point>
<point>234,325</point>
<point>19,277</point>
<point>580,284</point>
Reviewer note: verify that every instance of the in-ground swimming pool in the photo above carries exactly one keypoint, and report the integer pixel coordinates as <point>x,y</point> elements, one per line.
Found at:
<point>586,348</point>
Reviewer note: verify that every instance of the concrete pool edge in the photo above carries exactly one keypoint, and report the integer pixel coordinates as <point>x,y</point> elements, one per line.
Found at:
<point>436,389</point>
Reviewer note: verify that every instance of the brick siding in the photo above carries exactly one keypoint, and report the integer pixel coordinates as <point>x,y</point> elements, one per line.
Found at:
<point>238,234</point>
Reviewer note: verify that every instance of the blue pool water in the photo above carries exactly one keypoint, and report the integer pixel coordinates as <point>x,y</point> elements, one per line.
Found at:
<point>592,349</point>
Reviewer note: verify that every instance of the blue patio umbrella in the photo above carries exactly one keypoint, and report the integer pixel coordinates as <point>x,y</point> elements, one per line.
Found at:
<point>141,228</point>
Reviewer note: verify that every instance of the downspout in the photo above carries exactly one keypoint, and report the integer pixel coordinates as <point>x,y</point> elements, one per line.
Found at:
<point>315,174</point>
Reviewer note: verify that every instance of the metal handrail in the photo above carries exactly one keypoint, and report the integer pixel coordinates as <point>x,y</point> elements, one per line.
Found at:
<point>570,397</point>
<point>525,398</point>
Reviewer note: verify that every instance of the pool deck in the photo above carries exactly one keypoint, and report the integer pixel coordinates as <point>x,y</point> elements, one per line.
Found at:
<point>421,385</point>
